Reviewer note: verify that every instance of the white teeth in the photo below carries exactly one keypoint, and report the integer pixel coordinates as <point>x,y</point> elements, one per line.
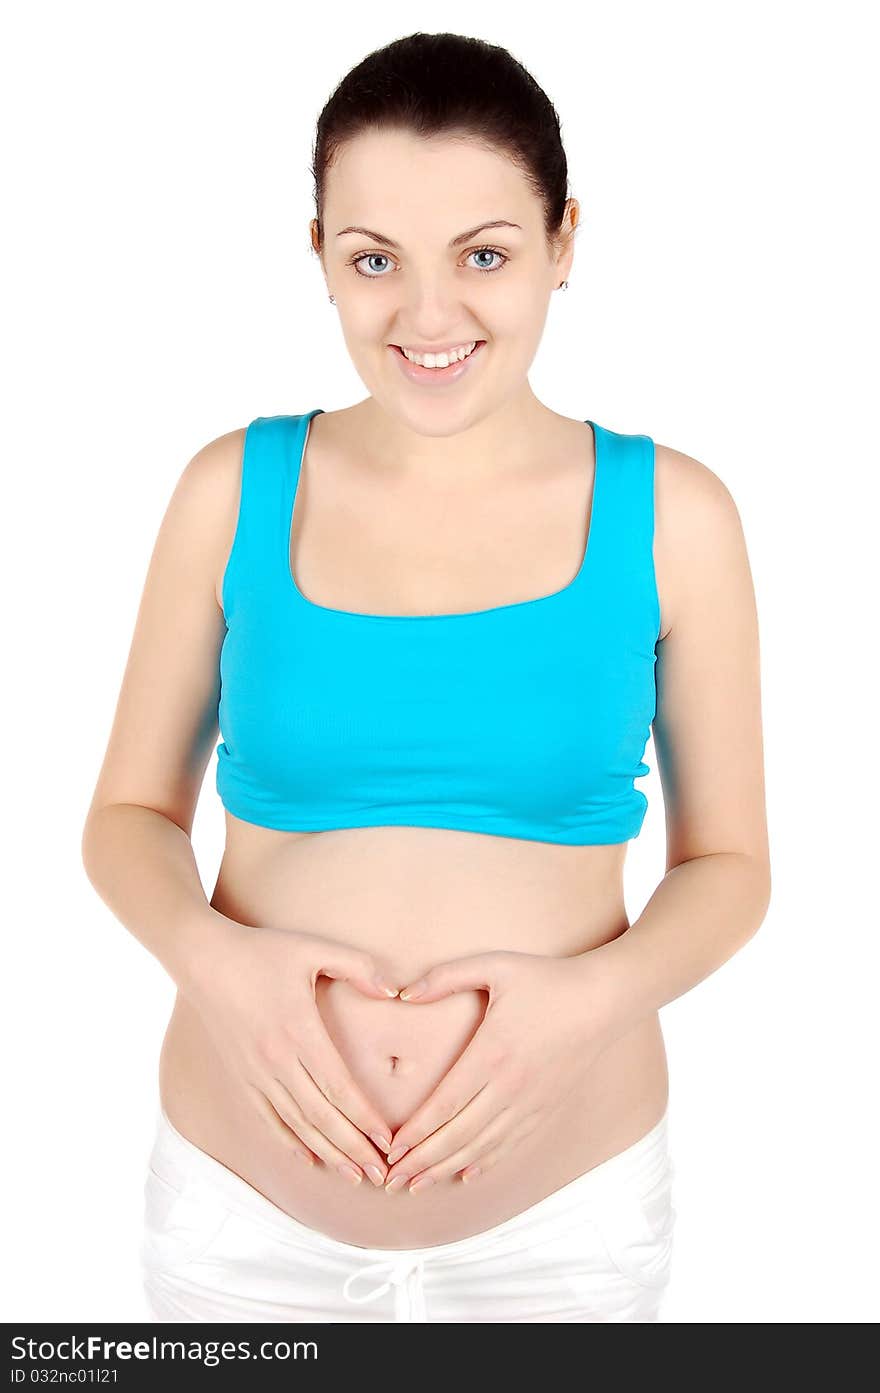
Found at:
<point>439,360</point>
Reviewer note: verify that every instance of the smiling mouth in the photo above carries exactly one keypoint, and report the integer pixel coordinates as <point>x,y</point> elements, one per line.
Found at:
<point>476,343</point>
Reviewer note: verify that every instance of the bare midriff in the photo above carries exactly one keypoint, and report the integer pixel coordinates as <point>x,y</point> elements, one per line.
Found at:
<point>415,897</point>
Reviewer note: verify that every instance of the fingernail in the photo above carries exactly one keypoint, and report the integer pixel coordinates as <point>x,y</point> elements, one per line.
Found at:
<point>396,1154</point>
<point>415,990</point>
<point>350,1174</point>
<point>375,1174</point>
<point>383,1143</point>
<point>422,1183</point>
<point>396,1183</point>
<point>386,987</point>
<point>470,1174</point>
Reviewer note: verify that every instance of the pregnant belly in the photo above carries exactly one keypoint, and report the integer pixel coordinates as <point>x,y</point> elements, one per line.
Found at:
<point>415,902</point>
<point>398,1053</point>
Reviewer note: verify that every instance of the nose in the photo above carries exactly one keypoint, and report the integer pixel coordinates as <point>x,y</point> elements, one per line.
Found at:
<point>433,310</point>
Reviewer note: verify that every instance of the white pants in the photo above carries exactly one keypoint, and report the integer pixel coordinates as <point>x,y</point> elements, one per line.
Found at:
<point>597,1249</point>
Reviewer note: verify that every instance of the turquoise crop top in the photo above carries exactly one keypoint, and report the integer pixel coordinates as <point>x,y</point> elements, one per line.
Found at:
<point>526,720</point>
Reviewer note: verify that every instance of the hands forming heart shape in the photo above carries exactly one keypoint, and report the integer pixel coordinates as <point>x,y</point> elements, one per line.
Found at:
<point>546,1022</point>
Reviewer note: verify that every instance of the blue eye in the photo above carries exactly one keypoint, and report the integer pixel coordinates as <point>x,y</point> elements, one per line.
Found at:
<point>493,251</point>
<point>382,256</point>
<point>368,256</point>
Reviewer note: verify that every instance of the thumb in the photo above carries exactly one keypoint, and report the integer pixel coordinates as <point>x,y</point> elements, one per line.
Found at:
<point>360,969</point>
<point>479,971</point>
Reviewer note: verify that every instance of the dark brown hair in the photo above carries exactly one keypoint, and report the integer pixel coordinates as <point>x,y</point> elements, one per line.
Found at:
<point>435,84</point>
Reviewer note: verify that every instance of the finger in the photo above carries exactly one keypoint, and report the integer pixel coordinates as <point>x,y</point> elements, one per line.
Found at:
<point>346,964</point>
<point>492,1156</point>
<point>285,1105</point>
<point>329,1072</point>
<point>479,972</point>
<point>451,1095</point>
<point>451,1139</point>
<point>503,1133</point>
<point>326,1130</point>
<point>280,1129</point>
<point>472,1147</point>
<point>288,1107</point>
<point>468,1075</point>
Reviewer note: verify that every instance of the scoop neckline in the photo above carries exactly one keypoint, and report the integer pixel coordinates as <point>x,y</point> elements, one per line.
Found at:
<point>290,509</point>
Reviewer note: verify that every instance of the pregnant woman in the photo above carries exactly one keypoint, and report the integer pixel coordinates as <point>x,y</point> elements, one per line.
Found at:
<point>415,1069</point>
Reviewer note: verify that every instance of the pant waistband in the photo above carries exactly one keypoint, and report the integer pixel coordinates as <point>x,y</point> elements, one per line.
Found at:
<point>642,1166</point>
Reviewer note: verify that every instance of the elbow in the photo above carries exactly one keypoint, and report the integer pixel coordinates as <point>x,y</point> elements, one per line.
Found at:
<point>85,846</point>
<point>87,840</point>
<point>762,885</point>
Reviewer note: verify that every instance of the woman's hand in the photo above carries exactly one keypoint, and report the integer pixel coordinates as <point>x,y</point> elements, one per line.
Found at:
<point>256,997</point>
<point>540,1035</point>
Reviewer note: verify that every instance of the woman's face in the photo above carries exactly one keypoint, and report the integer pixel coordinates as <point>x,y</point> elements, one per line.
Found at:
<point>429,286</point>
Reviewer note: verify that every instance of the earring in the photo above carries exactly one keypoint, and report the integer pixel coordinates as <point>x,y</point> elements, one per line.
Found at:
<point>564,286</point>
<point>333,299</point>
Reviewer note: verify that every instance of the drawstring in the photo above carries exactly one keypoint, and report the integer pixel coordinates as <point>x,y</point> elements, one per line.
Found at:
<point>405,1275</point>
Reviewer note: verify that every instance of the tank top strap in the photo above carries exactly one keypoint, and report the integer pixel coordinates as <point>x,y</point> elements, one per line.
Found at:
<point>624,494</point>
<point>261,545</point>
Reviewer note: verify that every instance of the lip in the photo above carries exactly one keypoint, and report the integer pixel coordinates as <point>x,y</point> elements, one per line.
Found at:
<point>436,377</point>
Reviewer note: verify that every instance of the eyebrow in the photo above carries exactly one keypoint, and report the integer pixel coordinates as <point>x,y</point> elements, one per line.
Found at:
<point>455,241</point>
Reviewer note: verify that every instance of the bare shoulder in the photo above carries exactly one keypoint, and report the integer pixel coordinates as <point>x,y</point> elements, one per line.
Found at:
<point>696,525</point>
<point>209,491</point>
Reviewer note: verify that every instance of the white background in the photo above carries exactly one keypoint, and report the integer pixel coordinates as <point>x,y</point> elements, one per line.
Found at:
<point>159,290</point>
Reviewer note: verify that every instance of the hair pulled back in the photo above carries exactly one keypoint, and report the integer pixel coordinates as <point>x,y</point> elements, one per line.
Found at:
<point>448,84</point>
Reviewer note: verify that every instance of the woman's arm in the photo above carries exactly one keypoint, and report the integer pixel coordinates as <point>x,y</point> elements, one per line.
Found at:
<point>136,847</point>
<point>143,867</point>
<point>700,915</point>
<point>252,985</point>
<point>709,744</point>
